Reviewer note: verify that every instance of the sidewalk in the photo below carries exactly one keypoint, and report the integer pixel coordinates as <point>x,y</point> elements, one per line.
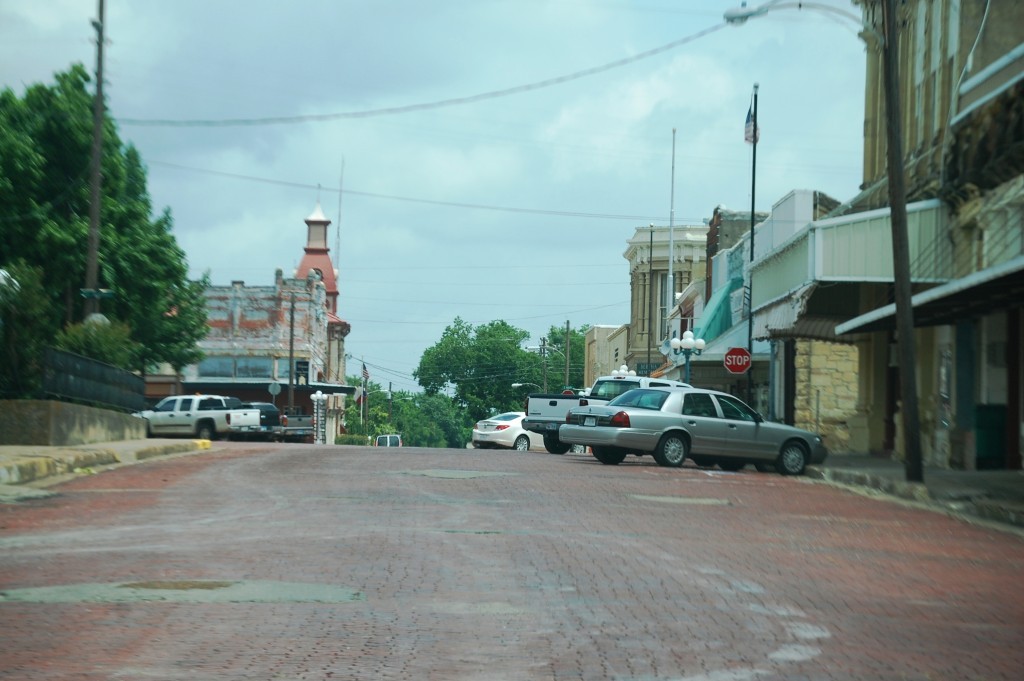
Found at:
<point>996,496</point>
<point>24,468</point>
<point>989,495</point>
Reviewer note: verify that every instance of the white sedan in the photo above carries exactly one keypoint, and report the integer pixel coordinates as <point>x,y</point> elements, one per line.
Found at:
<point>505,431</point>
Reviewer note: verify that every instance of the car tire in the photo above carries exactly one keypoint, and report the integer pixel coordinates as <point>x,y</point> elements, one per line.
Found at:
<point>554,445</point>
<point>731,465</point>
<point>609,456</point>
<point>672,450</point>
<point>792,459</point>
<point>522,444</point>
<point>204,431</point>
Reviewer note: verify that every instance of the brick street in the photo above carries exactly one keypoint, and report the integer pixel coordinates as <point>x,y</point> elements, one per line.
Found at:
<point>285,562</point>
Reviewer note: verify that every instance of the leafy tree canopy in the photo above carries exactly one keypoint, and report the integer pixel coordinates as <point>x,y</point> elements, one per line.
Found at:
<point>479,365</point>
<point>45,156</point>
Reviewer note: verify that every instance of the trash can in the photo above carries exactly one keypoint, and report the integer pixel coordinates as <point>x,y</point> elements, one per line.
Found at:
<point>990,436</point>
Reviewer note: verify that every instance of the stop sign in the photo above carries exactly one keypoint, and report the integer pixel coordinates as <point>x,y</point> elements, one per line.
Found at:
<point>737,360</point>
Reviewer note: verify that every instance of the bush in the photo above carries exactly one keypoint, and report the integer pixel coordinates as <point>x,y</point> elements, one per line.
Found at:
<point>350,439</point>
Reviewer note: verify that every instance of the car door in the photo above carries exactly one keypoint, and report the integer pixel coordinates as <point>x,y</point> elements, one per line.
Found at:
<point>164,418</point>
<point>747,440</point>
<point>709,433</point>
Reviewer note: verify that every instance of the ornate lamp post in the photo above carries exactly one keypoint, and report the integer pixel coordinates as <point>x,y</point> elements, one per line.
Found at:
<point>688,345</point>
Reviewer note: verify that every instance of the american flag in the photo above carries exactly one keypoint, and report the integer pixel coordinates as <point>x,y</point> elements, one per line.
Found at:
<point>366,374</point>
<point>749,134</point>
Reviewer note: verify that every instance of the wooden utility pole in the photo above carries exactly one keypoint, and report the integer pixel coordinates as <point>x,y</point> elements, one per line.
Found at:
<point>900,246</point>
<point>567,384</point>
<point>91,291</point>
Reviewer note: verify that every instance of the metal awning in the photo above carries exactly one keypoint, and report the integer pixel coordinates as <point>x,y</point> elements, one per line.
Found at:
<point>979,293</point>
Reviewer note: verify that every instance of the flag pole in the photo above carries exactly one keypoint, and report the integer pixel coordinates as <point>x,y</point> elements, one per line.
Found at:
<point>750,282</point>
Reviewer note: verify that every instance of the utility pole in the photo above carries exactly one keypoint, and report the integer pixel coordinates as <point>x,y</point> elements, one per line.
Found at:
<point>900,246</point>
<point>91,292</point>
<point>291,357</point>
<point>544,360</point>
<point>567,384</point>
<point>650,299</point>
<point>750,279</point>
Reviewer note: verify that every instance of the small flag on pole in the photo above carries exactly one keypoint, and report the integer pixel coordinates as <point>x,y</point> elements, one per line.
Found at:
<point>749,134</point>
<point>366,374</point>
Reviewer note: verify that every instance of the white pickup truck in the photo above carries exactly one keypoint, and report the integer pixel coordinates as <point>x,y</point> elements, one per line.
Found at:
<point>200,416</point>
<point>545,412</point>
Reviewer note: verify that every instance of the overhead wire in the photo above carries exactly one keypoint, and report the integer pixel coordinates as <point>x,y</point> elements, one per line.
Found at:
<point>423,106</point>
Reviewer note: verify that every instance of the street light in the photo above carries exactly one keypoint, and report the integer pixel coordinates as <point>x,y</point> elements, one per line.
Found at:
<point>623,371</point>
<point>688,345</point>
<point>319,429</point>
<point>888,40</point>
<point>520,385</point>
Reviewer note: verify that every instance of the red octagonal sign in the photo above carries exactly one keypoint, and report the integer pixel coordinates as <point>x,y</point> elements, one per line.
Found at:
<point>737,360</point>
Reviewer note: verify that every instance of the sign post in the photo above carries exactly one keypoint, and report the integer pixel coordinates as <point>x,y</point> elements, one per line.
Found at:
<point>737,360</point>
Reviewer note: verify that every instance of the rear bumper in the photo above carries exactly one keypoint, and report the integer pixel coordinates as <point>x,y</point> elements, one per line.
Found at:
<point>544,427</point>
<point>607,437</point>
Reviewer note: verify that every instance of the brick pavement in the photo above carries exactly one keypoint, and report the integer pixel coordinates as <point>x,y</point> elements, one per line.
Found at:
<point>424,564</point>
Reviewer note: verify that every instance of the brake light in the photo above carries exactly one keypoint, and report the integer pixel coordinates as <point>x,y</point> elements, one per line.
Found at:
<point>227,418</point>
<point>619,420</point>
<point>502,426</point>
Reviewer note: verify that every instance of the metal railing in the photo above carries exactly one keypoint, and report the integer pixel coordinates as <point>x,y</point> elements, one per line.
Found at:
<point>72,378</point>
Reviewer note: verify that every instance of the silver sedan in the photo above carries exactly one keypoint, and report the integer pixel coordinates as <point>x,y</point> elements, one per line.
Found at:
<point>675,424</point>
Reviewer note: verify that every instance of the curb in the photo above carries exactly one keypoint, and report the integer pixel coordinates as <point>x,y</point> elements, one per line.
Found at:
<point>32,468</point>
<point>911,491</point>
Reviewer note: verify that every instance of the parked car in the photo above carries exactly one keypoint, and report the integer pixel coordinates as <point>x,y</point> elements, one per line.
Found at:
<point>266,425</point>
<point>390,440</point>
<point>675,424</point>
<point>200,416</point>
<point>505,431</point>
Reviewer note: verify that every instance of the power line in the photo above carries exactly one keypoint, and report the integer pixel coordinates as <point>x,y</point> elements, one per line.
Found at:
<point>432,202</point>
<point>409,108</point>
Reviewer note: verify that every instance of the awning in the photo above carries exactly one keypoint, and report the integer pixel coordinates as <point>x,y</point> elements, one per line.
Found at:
<point>717,316</point>
<point>979,293</point>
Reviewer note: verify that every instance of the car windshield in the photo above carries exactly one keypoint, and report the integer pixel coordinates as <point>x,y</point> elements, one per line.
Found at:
<point>641,399</point>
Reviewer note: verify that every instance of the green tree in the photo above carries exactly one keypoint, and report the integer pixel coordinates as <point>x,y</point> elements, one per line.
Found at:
<point>479,365</point>
<point>107,342</point>
<point>45,150</point>
<point>28,322</point>
<point>556,356</point>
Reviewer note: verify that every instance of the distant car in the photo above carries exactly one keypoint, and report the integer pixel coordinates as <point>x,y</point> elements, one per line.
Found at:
<point>270,420</point>
<point>390,440</point>
<point>505,431</point>
<point>675,424</point>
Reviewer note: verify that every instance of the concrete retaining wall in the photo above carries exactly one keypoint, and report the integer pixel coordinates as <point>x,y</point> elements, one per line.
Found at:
<point>61,424</point>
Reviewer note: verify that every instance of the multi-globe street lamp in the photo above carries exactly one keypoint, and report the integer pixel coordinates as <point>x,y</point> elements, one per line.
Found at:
<point>623,371</point>
<point>688,345</point>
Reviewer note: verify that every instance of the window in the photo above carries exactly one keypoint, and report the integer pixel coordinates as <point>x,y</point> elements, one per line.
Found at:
<point>254,367</point>
<point>217,367</point>
<point>699,404</point>
<point>735,410</point>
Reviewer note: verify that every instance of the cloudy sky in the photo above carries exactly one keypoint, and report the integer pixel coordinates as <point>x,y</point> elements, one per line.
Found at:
<point>494,155</point>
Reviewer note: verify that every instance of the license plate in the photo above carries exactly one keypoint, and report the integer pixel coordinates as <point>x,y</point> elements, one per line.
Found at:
<point>590,421</point>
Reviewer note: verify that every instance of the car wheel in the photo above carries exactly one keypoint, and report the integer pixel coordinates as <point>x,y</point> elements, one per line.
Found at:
<point>522,444</point>
<point>554,445</point>
<point>609,456</point>
<point>204,431</point>
<point>731,465</point>
<point>792,459</point>
<point>149,429</point>
<point>672,450</point>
